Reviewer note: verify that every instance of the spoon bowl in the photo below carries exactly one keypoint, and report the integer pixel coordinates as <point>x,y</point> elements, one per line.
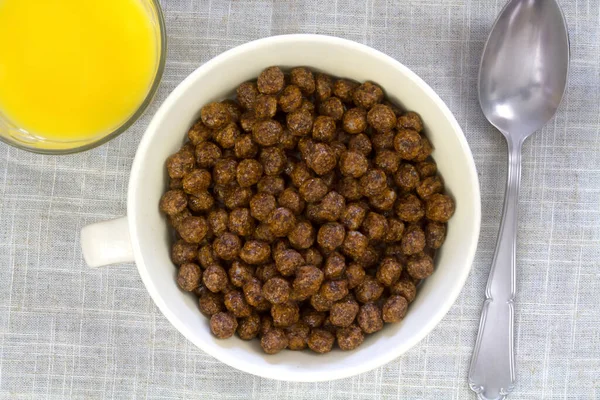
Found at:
<point>523,72</point>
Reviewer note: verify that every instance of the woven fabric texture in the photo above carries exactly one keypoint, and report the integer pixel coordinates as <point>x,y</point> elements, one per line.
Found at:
<point>68,331</point>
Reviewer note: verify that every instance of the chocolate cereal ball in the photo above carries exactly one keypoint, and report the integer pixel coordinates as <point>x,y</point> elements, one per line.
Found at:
<point>409,208</point>
<point>395,230</point>
<point>248,327</point>
<point>388,161</point>
<point>360,143</point>
<point>420,266</point>
<point>381,118</point>
<point>273,160</point>
<point>276,290</point>
<point>410,120</point>
<point>394,309</point>
<point>385,200</point>
<point>302,236</point>
<point>308,281</point>
<point>227,246</point>
<point>349,188</point>
<point>271,184</point>
<point>323,86</point>
<point>210,303</point>
<point>270,81</point>
<point>355,120</point>
<point>265,106</point>
<point>228,135</point>
<point>373,182</point>
<point>321,159</point>
<point>247,121</point>
<point>207,154</point>
<point>290,198</point>
<point>207,256</point>
<point>214,278</point>
<point>215,115</point>
<point>320,341</point>
<point>297,335</point>
<point>267,132</point>
<point>223,325</point>
<point>183,252</point>
<point>439,207</point>
<point>335,266</point>
<point>407,177</point>
<point>253,292</point>
<point>236,304</point>
<point>196,181</point>
<point>334,290</point>
<point>353,163</point>
<point>429,186</point>
<point>375,226</point>
<point>290,99</point>
<point>299,122</point>
<point>247,93</point>
<point>435,234</point>
<point>405,288</point>
<point>313,318</point>
<point>369,318</point>
<point>313,190</point>
<point>180,164</point>
<point>189,276</point>
<point>413,241</point>
<point>193,229</point>
<point>245,147</point>
<point>199,133</point>
<point>349,338</point>
<point>281,221</point>
<point>367,95</point>
<point>369,290</point>
<point>304,79</point>
<point>201,202</point>
<point>176,219</point>
<point>383,140</point>
<point>241,222</point>
<point>331,236</point>
<point>173,202</point>
<point>288,261</point>
<point>353,215</point>
<point>332,107</point>
<point>239,273</point>
<point>285,314</point>
<point>312,256</point>
<point>236,196</point>
<point>261,206</point>
<point>248,172</point>
<point>355,244</point>
<point>407,143</point>
<point>331,206</point>
<point>343,89</point>
<point>255,252</point>
<point>273,341</point>
<point>426,169</point>
<point>224,171</point>
<point>324,129</point>
<point>389,271</point>
<point>343,313</point>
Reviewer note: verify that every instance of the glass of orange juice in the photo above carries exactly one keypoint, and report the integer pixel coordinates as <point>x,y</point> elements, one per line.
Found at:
<point>75,74</point>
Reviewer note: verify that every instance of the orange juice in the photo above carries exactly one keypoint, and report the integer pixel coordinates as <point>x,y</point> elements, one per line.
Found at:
<point>73,70</point>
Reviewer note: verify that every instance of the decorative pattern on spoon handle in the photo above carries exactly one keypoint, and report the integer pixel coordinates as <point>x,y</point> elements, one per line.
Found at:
<point>492,372</point>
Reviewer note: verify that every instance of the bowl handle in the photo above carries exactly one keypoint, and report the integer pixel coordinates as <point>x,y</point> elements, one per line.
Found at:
<point>107,242</point>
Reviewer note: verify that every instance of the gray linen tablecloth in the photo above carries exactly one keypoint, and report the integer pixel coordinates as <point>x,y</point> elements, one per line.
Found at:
<point>67,331</point>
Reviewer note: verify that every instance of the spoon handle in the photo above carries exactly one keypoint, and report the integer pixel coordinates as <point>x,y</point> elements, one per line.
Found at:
<point>492,372</point>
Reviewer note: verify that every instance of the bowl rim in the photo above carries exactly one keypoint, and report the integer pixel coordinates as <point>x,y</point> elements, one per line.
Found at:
<point>229,359</point>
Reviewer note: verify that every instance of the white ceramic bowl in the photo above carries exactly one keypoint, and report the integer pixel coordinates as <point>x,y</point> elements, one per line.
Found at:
<point>217,79</point>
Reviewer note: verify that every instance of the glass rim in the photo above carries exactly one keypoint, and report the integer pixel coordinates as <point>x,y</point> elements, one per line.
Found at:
<point>132,119</point>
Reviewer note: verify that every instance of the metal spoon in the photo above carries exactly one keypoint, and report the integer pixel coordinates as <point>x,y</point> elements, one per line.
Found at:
<point>522,78</point>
